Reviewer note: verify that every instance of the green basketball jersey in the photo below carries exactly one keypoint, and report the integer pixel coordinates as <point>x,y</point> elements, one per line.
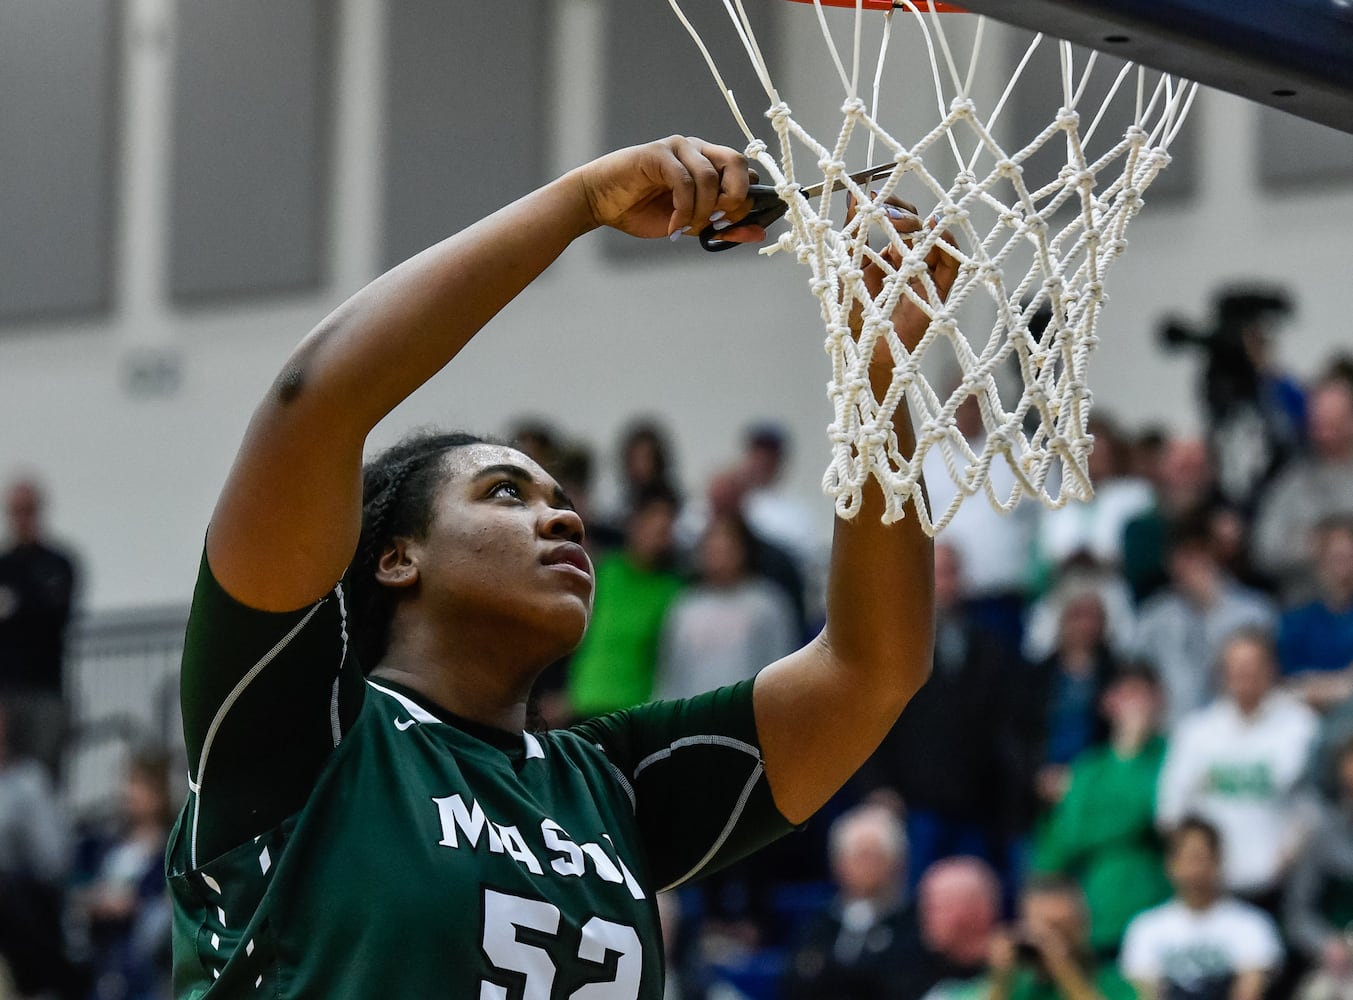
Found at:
<point>345,839</point>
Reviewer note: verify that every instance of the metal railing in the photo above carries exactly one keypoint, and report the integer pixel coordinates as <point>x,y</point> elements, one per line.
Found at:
<point>122,688</point>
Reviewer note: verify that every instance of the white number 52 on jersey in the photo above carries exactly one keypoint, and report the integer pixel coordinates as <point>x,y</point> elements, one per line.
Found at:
<point>503,914</point>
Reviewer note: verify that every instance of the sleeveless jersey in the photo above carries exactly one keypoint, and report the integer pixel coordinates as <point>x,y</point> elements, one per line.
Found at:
<point>343,838</point>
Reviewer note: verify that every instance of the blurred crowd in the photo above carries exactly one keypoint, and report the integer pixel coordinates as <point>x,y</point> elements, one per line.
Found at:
<point>1130,773</point>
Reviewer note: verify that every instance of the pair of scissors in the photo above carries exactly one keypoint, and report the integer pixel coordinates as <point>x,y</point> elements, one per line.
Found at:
<point>767,206</point>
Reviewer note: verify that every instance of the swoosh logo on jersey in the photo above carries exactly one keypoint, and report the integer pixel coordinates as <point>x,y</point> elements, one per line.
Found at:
<point>403,724</point>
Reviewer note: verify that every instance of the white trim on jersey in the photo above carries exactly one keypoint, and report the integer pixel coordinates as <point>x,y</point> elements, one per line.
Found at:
<point>240,687</point>
<point>733,817</point>
<point>415,710</point>
<point>619,776</point>
<point>419,714</point>
<point>335,726</point>
<point>691,741</point>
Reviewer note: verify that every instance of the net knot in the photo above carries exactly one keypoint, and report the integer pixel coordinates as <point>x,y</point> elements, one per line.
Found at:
<point>874,437</point>
<point>933,434</point>
<point>832,170</point>
<point>779,114</point>
<point>943,323</point>
<point>1008,168</point>
<point>962,107</point>
<point>853,108</point>
<point>1072,176</point>
<point>950,216</point>
<point>1068,119</point>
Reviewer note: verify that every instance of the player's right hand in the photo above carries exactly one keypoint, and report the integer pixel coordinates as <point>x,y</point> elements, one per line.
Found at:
<point>675,185</point>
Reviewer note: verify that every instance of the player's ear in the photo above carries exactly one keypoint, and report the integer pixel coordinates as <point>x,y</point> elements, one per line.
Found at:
<point>396,568</point>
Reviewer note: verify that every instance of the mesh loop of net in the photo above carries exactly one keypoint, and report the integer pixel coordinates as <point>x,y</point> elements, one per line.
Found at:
<point>1024,254</point>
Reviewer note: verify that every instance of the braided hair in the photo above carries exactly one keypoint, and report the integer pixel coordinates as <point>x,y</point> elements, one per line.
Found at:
<point>399,491</point>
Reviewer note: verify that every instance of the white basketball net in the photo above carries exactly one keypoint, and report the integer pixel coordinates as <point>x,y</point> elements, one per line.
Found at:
<point>1062,234</point>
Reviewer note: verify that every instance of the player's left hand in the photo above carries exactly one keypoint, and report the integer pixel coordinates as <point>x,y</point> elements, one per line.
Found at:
<point>675,185</point>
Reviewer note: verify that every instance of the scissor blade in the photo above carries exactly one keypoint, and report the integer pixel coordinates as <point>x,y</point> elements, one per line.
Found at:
<point>859,177</point>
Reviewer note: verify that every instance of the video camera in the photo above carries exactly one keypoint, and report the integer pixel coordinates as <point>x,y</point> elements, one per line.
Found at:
<point>1244,319</point>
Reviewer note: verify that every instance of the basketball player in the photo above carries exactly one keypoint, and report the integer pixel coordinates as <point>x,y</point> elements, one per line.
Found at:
<point>367,817</point>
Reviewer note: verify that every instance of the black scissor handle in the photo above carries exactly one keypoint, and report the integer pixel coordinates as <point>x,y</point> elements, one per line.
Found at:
<point>766,208</point>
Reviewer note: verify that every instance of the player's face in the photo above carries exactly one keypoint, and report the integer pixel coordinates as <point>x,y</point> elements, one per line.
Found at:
<point>505,546</point>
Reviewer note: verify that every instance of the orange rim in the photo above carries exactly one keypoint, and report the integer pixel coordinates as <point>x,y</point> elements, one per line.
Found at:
<point>885,5</point>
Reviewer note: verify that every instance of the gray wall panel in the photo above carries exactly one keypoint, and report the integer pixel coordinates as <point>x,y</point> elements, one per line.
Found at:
<point>251,111</point>
<point>57,110</point>
<point>465,115</point>
<point>1294,153</point>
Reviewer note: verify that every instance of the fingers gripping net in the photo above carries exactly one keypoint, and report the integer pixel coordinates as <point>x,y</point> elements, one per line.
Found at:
<point>1030,253</point>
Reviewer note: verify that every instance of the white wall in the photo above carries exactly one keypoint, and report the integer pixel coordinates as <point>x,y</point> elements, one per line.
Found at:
<point>710,343</point>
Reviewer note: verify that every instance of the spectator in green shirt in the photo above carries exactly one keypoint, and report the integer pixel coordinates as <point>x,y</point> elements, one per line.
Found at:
<point>1103,833</point>
<point>615,665</point>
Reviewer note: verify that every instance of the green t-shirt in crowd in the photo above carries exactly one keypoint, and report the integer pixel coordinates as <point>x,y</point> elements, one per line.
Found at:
<point>344,839</point>
<point>616,663</point>
<point>1103,833</point>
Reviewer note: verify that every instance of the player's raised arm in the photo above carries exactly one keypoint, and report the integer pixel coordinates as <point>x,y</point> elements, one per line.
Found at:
<point>288,518</point>
<point>821,711</point>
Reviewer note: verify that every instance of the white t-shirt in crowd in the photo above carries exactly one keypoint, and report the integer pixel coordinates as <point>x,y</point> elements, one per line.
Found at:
<point>1194,954</point>
<point>1241,772</point>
